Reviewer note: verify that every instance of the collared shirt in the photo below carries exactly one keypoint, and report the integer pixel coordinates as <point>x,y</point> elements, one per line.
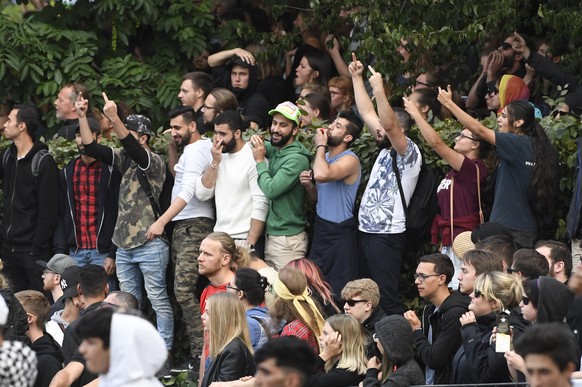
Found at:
<point>86,180</point>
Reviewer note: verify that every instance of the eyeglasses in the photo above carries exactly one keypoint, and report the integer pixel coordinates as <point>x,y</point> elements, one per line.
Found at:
<point>505,46</point>
<point>232,287</point>
<point>477,293</point>
<point>511,271</point>
<point>461,135</point>
<point>525,300</point>
<point>420,83</point>
<point>353,302</point>
<point>332,93</point>
<point>423,277</point>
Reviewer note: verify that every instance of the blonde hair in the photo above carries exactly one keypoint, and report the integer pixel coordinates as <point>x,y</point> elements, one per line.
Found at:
<point>239,256</point>
<point>363,287</point>
<point>36,304</point>
<point>353,356</point>
<point>227,320</point>
<point>292,301</point>
<point>504,289</point>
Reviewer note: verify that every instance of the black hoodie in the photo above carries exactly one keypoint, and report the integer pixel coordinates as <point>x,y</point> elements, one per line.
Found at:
<point>253,104</point>
<point>50,359</point>
<point>446,338</point>
<point>31,204</point>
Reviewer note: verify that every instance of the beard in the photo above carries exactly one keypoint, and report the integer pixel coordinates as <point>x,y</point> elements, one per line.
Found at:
<point>383,143</point>
<point>284,140</point>
<point>227,147</point>
<point>334,141</point>
<point>185,140</point>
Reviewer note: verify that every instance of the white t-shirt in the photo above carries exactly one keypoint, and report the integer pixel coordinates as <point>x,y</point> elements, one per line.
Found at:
<point>381,210</point>
<point>191,165</point>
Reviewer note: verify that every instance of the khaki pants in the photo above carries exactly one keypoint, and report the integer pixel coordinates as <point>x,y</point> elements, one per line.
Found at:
<point>280,250</point>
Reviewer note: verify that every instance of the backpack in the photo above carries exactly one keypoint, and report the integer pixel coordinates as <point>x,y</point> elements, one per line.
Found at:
<point>163,201</point>
<point>423,206</point>
<point>36,160</point>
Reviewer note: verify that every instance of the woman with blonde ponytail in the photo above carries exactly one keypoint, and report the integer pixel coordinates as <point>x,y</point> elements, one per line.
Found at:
<point>293,305</point>
<point>495,295</point>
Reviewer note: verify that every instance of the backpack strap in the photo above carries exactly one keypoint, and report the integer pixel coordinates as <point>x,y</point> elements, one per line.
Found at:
<point>263,324</point>
<point>145,185</point>
<point>393,155</point>
<point>36,160</point>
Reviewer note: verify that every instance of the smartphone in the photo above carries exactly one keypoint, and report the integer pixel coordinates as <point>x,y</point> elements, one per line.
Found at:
<point>503,338</point>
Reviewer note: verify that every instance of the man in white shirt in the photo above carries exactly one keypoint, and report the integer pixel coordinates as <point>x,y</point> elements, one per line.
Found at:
<point>241,206</point>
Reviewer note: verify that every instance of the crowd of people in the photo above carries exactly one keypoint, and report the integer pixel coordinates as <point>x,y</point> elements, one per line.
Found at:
<point>264,293</point>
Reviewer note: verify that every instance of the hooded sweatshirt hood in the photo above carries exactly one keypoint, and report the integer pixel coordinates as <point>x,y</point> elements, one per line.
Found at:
<point>137,352</point>
<point>553,299</point>
<point>242,94</point>
<point>395,335</point>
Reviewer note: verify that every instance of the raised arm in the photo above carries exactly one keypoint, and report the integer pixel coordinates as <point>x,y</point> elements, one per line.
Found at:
<point>222,57</point>
<point>432,138</point>
<point>363,101</point>
<point>334,51</point>
<point>476,127</point>
<point>388,118</point>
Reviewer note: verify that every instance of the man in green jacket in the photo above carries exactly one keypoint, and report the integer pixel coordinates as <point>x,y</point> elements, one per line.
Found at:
<point>286,238</point>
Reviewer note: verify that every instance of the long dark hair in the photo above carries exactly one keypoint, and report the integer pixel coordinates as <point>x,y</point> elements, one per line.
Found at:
<point>545,177</point>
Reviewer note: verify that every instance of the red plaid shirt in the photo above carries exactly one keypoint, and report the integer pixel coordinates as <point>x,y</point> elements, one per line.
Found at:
<point>298,329</point>
<point>86,179</point>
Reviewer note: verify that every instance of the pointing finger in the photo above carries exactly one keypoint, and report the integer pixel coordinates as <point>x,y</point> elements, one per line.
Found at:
<point>105,97</point>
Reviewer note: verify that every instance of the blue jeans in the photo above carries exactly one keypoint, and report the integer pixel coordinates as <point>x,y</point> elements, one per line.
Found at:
<point>84,257</point>
<point>151,260</point>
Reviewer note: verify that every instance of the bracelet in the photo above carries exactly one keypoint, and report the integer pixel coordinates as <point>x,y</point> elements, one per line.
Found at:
<point>317,147</point>
<point>213,165</point>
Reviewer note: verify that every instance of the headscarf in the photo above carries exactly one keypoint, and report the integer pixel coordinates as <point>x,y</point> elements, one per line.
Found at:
<point>282,291</point>
<point>511,88</point>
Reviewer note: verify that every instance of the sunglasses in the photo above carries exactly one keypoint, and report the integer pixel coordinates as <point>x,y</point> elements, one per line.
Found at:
<point>525,300</point>
<point>477,293</point>
<point>511,271</point>
<point>353,302</point>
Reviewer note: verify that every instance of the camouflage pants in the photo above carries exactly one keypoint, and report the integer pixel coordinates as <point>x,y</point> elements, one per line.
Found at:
<point>187,236</point>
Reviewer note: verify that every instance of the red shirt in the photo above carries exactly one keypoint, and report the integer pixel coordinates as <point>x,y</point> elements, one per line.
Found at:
<point>207,292</point>
<point>86,179</point>
<point>298,329</point>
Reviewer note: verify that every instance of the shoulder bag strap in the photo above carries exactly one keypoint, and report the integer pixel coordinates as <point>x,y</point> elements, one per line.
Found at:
<point>393,155</point>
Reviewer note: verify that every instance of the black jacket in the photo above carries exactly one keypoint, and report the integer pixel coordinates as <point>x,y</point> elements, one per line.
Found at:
<point>370,328</point>
<point>50,359</point>
<point>31,204</point>
<point>476,360</point>
<point>234,362</point>
<point>66,235</point>
<point>335,377</point>
<point>445,336</point>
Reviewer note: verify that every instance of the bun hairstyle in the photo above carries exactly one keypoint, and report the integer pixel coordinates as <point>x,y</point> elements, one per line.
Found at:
<point>239,256</point>
<point>252,284</point>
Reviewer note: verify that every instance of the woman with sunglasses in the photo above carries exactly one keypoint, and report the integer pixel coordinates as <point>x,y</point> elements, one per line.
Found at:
<point>476,361</point>
<point>249,286</point>
<point>526,181</point>
<point>545,300</point>
<point>458,192</point>
<point>342,358</point>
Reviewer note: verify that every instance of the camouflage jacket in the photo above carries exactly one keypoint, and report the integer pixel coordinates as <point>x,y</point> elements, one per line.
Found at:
<point>135,213</point>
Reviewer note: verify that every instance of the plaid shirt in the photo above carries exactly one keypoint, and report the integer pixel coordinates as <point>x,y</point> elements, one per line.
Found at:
<point>86,180</point>
<point>298,329</point>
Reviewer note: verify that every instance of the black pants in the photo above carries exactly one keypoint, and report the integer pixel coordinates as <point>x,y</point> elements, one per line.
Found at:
<point>381,260</point>
<point>22,270</point>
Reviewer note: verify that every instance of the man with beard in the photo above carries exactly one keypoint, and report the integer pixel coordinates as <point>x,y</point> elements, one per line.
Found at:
<point>241,206</point>
<point>65,111</point>
<point>89,200</point>
<point>193,218</point>
<point>333,185</point>
<point>285,238</point>
<point>237,71</point>
<point>382,220</point>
